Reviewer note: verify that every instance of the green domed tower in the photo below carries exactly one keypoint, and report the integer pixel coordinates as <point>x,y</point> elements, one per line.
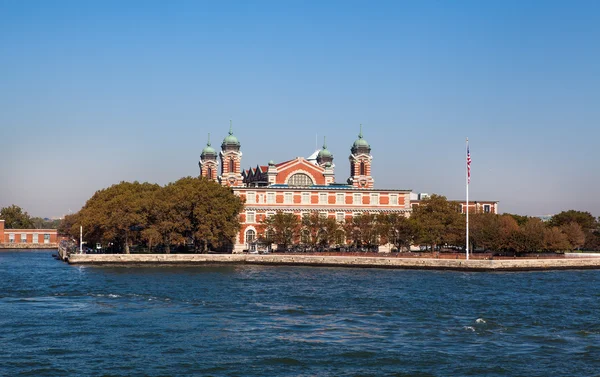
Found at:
<point>231,160</point>
<point>324,156</point>
<point>360,163</point>
<point>208,162</point>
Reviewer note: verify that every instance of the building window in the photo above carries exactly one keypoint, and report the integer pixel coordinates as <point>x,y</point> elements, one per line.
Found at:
<point>339,198</point>
<point>305,236</point>
<point>306,198</point>
<point>46,238</point>
<point>261,198</point>
<point>300,179</point>
<point>357,198</point>
<point>322,198</point>
<point>231,166</point>
<point>209,173</point>
<point>23,237</point>
<point>339,217</point>
<point>356,214</point>
<point>250,235</point>
<point>270,198</point>
<point>251,197</point>
<point>270,214</point>
<point>288,198</point>
<point>323,215</point>
<point>394,199</point>
<point>375,199</point>
<point>35,238</point>
<point>362,168</point>
<point>486,208</point>
<point>11,238</point>
<point>250,217</point>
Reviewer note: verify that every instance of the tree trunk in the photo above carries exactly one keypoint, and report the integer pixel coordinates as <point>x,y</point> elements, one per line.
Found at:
<point>126,243</point>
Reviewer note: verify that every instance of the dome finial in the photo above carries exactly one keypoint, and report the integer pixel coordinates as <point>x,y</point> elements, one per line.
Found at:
<point>208,143</point>
<point>324,142</point>
<point>360,135</point>
<point>230,129</point>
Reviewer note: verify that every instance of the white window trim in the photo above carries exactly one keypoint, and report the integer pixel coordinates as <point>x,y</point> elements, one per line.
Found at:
<point>271,195</point>
<point>338,196</point>
<point>323,195</point>
<point>251,194</point>
<point>338,214</point>
<point>248,213</point>
<point>374,198</point>
<point>393,199</point>
<point>305,198</point>
<point>357,195</point>
<point>287,195</point>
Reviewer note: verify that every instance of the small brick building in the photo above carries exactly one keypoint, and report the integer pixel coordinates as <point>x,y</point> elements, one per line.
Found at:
<point>27,238</point>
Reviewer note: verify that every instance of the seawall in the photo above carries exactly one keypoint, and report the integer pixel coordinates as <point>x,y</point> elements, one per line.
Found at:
<point>32,246</point>
<point>335,261</point>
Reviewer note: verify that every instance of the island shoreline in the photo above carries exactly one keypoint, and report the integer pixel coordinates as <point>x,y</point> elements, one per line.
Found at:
<point>172,260</point>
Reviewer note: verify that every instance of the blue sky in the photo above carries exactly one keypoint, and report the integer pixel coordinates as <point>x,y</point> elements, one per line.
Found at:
<point>95,92</point>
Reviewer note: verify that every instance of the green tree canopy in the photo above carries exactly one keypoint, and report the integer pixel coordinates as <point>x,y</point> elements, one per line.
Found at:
<point>15,218</point>
<point>282,228</point>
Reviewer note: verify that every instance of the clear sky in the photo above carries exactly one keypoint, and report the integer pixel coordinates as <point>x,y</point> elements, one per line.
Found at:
<point>95,92</point>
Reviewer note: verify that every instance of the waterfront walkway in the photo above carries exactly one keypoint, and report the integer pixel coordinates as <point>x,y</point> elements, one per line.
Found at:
<point>517,264</point>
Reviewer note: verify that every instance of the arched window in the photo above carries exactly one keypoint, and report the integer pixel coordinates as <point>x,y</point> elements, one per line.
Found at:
<point>231,166</point>
<point>300,179</point>
<point>362,168</point>
<point>250,235</point>
<point>209,173</point>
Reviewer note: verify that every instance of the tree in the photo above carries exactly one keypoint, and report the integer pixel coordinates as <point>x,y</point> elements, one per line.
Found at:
<point>520,219</point>
<point>574,234</point>
<point>508,232</point>
<point>69,226</point>
<point>439,221</point>
<point>485,231</point>
<point>555,240</point>
<point>586,221</point>
<point>207,211</point>
<point>15,218</point>
<point>39,223</point>
<point>117,214</point>
<point>531,237</point>
<point>362,230</point>
<point>396,230</point>
<point>319,230</point>
<point>283,228</point>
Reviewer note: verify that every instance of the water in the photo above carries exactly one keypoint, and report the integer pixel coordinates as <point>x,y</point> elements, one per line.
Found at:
<point>61,320</point>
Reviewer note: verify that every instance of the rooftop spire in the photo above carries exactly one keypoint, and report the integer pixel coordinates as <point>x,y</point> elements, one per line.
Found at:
<point>324,142</point>
<point>230,129</point>
<point>208,143</point>
<point>360,136</point>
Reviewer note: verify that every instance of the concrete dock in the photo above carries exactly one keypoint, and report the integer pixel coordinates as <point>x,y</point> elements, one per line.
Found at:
<point>519,264</point>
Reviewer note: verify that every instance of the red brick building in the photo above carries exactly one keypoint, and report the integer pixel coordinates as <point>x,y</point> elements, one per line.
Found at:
<point>300,186</point>
<point>27,238</point>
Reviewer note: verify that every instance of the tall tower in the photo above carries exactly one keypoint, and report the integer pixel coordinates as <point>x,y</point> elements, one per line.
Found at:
<point>208,162</point>
<point>231,158</point>
<point>360,163</point>
<point>325,160</point>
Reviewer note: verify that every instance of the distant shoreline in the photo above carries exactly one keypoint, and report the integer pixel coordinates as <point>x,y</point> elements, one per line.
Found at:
<point>519,264</point>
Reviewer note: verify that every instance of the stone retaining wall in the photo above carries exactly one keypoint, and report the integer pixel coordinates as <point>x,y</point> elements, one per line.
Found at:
<point>18,246</point>
<point>336,261</point>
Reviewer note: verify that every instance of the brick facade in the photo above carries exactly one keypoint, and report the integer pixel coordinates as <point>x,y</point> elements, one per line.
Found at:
<point>31,237</point>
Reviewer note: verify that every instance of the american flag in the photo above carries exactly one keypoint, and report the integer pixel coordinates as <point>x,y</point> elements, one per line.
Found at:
<point>468,165</point>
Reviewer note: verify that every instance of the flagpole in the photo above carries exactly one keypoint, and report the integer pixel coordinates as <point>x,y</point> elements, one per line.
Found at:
<point>467,182</point>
